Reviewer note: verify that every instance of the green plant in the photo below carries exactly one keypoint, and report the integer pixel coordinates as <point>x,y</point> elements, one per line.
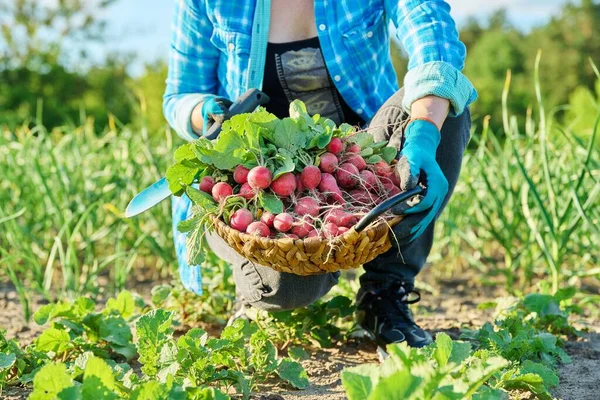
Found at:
<point>81,345</point>
<point>514,354</point>
<point>212,307</point>
<point>322,323</point>
<point>525,205</point>
<point>60,197</point>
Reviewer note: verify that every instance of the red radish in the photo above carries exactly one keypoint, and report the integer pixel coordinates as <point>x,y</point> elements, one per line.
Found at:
<point>335,146</point>
<point>307,206</point>
<point>267,218</point>
<point>313,233</point>
<point>353,148</point>
<point>259,229</point>
<point>221,190</point>
<point>329,187</point>
<point>241,219</point>
<point>362,197</point>
<point>299,186</point>
<point>246,191</point>
<point>310,177</point>
<point>240,174</point>
<point>206,184</point>
<point>394,191</point>
<point>339,217</point>
<point>283,222</point>
<point>284,185</point>
<point>388,186</point>
<point>381,168</point>
<point>357,161</point>
<point>301,228</point>
<point>292,236</point>
<point>347,175</point>
<point>342,230</point>
<point>259,177</point>
<point>330,229</point>
<point>359,196</point>
<point>368,179</point>
<point>395,178</point>
<point>328,163</point>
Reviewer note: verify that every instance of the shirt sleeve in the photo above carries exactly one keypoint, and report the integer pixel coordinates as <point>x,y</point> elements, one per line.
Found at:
<point>436,55</point>
<point>193,63</point>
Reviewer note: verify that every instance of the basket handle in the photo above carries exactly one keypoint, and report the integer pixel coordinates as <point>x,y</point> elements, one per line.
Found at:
<point>386,205</point>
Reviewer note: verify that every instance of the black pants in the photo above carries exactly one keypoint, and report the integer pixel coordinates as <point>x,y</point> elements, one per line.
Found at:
<point>269,290</point>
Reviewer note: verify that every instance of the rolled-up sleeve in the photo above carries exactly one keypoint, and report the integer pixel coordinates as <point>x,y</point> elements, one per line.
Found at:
<point>193,63</point>
<point>436,55</point>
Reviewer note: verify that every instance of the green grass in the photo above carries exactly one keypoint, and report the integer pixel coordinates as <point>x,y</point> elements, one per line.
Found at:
<point>61,198</point>
<point>526,206</point>
<point>525,213</point>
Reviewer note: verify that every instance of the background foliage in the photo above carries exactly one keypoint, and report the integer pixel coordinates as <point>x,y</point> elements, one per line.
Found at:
<point>39,77</point>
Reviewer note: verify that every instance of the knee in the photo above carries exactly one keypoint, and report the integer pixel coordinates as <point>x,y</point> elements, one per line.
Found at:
<point>291,291</point>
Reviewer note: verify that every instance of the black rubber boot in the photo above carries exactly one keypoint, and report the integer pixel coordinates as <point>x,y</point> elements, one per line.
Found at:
<point>386,316</point>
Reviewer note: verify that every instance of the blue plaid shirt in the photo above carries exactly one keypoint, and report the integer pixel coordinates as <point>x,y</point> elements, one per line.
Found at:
<point>212,43</point>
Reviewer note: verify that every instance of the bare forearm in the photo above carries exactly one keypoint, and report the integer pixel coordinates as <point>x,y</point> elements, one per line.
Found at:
<point>431,107</point>
<point>197,119</point>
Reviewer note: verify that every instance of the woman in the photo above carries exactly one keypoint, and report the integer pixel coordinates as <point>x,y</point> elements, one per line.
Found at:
<point>333,55</point>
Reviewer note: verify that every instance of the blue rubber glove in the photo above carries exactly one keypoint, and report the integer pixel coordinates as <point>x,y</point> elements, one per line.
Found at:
<point>417,164</point>
<point>215,109</point>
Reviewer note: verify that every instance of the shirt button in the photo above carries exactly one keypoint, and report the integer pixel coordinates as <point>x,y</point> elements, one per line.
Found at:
<point>322,27</point>
<point>369,34</point>
<point>359,111</point>
<point>337,78</point>
<point>231,47</point>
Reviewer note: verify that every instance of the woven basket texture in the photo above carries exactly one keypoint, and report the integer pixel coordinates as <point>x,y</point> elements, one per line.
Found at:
<point>311,256</point>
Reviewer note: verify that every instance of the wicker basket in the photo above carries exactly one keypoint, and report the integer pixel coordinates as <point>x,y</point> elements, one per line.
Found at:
<point>315,255</point>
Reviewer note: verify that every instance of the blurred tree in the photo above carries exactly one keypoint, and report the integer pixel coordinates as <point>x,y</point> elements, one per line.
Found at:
<point>584,109</point>
<point>149,89</point>
<point>568,41</point>
<point>34,77</point>
<point>494,50</point>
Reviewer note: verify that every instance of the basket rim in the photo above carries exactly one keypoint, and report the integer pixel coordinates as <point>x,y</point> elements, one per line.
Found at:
<point>246,236</point>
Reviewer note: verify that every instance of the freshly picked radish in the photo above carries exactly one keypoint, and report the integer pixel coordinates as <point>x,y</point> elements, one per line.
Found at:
<point>347,176</point>
<point>259,177</point>
<point>207,183</point>
<point>246,191</point>
<point>267,218</point>
<point>240,174</point>
<point>310,177</point>
<point>300,177</point>
<point>329,163</point>
<point>221,190</point>
<point>241,219</point>
<point>301,228</point>
<point>357,161</point>
<point>335,146</point>
<point>258,228</point>
<point>329,187</point>
<point>285,185</point>
<point>307,206</point>
<point>283,222</point>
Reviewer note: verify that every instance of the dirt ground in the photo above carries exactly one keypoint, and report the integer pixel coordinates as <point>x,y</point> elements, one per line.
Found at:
<point>446,311</point>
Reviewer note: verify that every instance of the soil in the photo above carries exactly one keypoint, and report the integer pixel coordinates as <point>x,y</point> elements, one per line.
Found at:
<point>448,310</point>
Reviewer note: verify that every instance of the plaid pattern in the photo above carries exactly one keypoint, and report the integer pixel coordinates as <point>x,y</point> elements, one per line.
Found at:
<point>210,55</point>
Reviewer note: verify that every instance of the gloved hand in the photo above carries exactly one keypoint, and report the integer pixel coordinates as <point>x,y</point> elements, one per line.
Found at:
<point>215,109</point>
<point>417,164</point>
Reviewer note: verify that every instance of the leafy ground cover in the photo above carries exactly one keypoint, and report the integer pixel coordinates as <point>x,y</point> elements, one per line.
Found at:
<point>136,347</point>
